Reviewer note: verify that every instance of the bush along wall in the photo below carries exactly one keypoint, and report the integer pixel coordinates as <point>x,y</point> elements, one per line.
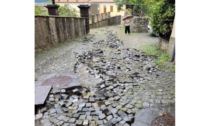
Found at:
<point>162,16</point>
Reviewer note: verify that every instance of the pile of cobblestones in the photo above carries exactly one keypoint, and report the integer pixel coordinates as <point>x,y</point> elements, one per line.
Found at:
<point>117,81</point>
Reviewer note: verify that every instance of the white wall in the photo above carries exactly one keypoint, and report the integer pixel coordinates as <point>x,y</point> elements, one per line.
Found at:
<point>101,8</point>
<point>114,13</point>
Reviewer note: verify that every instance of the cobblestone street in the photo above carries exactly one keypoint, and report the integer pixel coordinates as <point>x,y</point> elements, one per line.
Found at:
<point>119,83</point>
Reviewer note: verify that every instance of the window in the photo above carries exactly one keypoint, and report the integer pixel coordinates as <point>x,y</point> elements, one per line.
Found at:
<point>111,8</point>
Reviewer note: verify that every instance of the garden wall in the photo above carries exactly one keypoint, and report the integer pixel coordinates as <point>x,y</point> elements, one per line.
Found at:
<point>51,30</point>
<point>104,19</point>
<point>139,24</point>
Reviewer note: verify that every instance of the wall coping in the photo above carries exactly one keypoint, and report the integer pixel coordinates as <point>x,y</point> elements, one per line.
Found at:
<point>48,16</point>
<point>163,40</point>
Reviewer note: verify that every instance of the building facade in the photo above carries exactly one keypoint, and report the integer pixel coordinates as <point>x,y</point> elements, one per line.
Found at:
<point>97,6</point>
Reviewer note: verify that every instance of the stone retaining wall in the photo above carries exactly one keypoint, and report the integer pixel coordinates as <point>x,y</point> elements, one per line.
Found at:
<point>139,24</point>
<point>51,30</point>
<point>163,44</point>
<point>167,46</point>
<point>107,22</point>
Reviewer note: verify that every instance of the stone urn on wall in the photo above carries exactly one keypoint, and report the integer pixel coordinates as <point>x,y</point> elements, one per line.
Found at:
<point>52,8</point>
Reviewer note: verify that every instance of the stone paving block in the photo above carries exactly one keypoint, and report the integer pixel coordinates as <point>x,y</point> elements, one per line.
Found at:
<point>95,117</point>
<point>109,117</point>
<point>122,122</point>
<point>85,122</point>
<point>66,119</point>
<point>76,115</point>
<point>89,117</point>
<point>82,117</point>
<point>88,104</point>
<point>116,98</point>
<point>119,119</point>
<point>129,106</point>
<point>79,122</point>
<point>53,119</point>
<point>114,121</point>
<point>75,111</point>
<point>38,116</point>
<point>61,117</point>
<point>145,104</point>
<point>72,120</point>
<point>114,111</point>
<point>103,107</point>
<point>43,109</point>
<point>129,111</point>
<point>69,114</point>
<point>63,91</point>
<point>52,111</point>
<point>85,109</point>
<point>104,121</point>
<point>87,113</point>
<point>64,96</point>
<point>99,122</point>
<point>102,116</point>
<point>68,104</point>
<point>60,123</point>
<point>65,124</point>
<point>91,109</point>
<point>79,109</point>
<point>72,124</point>
<point>91,99</point>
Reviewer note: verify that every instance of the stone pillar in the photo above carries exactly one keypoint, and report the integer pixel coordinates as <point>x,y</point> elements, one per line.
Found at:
<point>84,12</point>
<point>93,19</point>
<point>108,14</point>
<point>98,17</point>
<point>52,9</point>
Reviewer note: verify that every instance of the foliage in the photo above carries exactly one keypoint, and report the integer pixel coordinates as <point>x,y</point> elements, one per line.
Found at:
<point>67,11</point>
<point>40,10</point>
<point>160,12</point>
<point>162,16</point>
<point>153,50</point>
<point>162,59</point>
<point>128,11</point>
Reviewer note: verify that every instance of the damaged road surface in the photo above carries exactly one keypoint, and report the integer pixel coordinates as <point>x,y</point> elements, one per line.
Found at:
<point>115,83</point>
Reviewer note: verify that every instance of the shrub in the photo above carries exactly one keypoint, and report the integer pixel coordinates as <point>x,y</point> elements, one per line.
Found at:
<point>67,11</point>
<point>40,10</point>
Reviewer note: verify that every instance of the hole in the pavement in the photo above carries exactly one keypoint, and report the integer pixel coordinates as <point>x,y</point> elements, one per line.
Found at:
<point>164,120</point>
<point>58,81</point>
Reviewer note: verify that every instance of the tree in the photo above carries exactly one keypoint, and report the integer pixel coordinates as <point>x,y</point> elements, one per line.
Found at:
<point>67,11</point>
<point>40,10</point>
<point>162,16</point>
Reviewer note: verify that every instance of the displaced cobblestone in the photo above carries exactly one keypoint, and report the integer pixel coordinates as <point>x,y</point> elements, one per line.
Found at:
<point>117,80</point>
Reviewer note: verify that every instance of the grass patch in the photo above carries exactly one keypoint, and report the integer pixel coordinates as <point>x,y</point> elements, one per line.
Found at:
<point>140,107</point>
<point>151,50</point>
<point>162,57</point>
<point>122,27</point>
